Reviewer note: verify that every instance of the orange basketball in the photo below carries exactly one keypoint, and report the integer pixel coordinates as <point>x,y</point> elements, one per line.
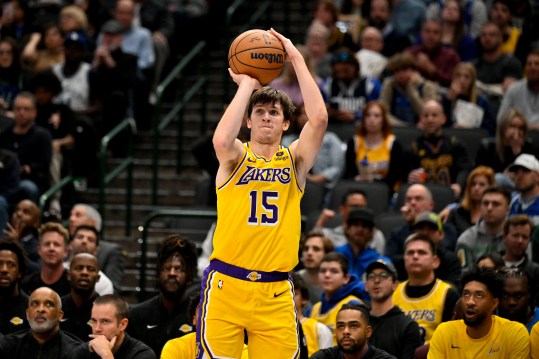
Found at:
<point>257,53</point>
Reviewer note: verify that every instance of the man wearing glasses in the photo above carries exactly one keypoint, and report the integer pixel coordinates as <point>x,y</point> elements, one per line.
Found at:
<point>392,330</point>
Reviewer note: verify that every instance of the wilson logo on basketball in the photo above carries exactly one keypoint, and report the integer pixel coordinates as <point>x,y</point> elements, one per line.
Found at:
<point>270,58</point>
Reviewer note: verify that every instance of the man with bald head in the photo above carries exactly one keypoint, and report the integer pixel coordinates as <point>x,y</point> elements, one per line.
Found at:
<point>77,305</point>
<point>370,56</point>
<point>109,255</point>
<point>44,338</point>
<point>444,159</point>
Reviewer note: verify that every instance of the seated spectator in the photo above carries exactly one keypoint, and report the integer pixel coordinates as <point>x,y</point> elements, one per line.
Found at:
<point>73,18</point>
<point>373,153</point>
<point>525,171</point>
<point>340,287</point>
<point>10,72</point>
<point>444,159</point>
<point>521,93</point>
<point>468,211</point>
<point>392,330</point>
<point>359,231</point>
<point>405,91</point>
<point>517,303</point>
<point>10,170</point>
<point>44,335</point>
<point>15,20</point>
<point>164,316</point>
<point>464,105</point>
<point>314,246</point>
<point>329,163</point>
<point>347,93</point>
<point>480,330</point>
<point>492,261</point>
<point>327,13</point>
<point>77,305</point>
<point>407,17</point>
<point>534,342</point>
<point>86,240</point>
<point>32,144</point>
<point>316,40</point>
<point>52,251</point>
<point>318,335</point>
<point>352,333</point>
<point>352,18</point>
<point>454,33</point>
<point>501,13</point>
<point>109,321</point>
<point>423,293</point>
<point>474,15</point>
<point>434,61</point>
<point>13,264</point>
<point>378,17</point>
<point>43,50</point>
<point>486,235</point>
<point>370,56</point>
<point>23,228</point>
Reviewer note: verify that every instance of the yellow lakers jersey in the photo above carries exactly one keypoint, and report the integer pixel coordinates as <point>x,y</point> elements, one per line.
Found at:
<point>311,334</point>
<point>329,318</point>
<point>427,311</point>
<point>506,339</point>
<point>258,214</point>
<point>185,348</point>
<point>378,158</point>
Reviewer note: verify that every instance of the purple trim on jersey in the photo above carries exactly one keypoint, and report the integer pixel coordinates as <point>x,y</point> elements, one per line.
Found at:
<point>246,274</point>
<point>204,302</point>
<point>235,170</point>
<point>294,169</point>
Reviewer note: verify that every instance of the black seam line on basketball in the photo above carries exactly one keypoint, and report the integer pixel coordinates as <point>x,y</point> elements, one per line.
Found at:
<point>275,295</point>
<point>278,48</point>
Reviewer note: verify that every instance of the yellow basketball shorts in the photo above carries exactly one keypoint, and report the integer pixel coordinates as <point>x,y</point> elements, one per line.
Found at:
<point>234,299</point>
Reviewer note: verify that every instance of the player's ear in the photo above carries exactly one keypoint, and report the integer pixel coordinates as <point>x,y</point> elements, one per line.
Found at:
<point>286,125</point>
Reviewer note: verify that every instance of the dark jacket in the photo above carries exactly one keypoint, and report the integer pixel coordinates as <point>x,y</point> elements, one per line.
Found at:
<point>395,333</point>
<point>23,345</point>
<point>335,353</point>
<point>130,349</point>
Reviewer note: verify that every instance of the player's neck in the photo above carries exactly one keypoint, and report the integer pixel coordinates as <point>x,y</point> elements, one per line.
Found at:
<point>264,150</point>
<point>480,330</point>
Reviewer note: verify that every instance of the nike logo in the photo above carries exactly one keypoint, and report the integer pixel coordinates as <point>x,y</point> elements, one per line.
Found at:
<point>275,295</point>
<point>454,346</point>
<point>151,326</point>
<point>249,159</point>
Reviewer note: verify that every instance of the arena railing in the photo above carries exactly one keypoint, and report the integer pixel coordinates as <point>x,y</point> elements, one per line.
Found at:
<point>161,121</point>
<point>143,240</point>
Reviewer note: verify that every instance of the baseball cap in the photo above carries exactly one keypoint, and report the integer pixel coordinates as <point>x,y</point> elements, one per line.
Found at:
<point>75,37</point>
<point>527,161</point>
<point>430,218</point>
<point>361,214</point>
<point>112,27</point>
<point>382,264</point>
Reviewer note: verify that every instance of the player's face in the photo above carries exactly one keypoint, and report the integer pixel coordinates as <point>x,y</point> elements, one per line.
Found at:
<point>380,285</point>
<point>313,252</point>
<point>331,277</point>
<point>516,240</point>
<point>267,123</point>
<point>419,259</point>
<point>43,311</point>
<point>494,208</point>
<point>85,241</point>
<point>478,303</point>
<point>104,321</point>
<point>515,301</point>
<point>351,331</point>
<point>359,233</point>
<point>172,277</point>
<point>83,273</point>
<point>52,248</point>
<point>9,271</point>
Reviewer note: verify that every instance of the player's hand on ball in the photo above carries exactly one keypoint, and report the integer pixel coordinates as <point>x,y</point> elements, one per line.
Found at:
<point>289,47</point>
<point>239,78</point>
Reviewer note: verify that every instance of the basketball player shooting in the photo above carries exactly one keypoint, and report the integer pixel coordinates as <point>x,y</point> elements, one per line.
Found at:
<point>259,186</point>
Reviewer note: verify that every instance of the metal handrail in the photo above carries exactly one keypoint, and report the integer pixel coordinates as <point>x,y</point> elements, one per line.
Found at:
<point>189,213</point>
<point>53,190</point>
<point>160,124</point>
<point>126,164</point>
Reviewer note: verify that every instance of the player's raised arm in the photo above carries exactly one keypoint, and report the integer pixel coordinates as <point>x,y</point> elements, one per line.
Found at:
<point>227,147</point>
<point>308,145</point>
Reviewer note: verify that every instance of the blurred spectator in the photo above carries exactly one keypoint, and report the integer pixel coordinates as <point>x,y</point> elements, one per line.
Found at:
<point>10,72</point>
<point>525,171</point>
<point>44,49</point>
<point>347,93</point>
<point>33,145</point>
<point>327,13</point>
<point>190,16</point>
<point>316,40</point>
<point>407,17</point>
<point>486,235</point>
<point>501,13</point>
<point>370,56</point>
<point>405,91</point>
<point>434,61</point>
<point>464,105</point>
<point>468,211</point>
<point>492,261</point>
<point>521,94</point>
<point>14,20</point>
<point>510,141</point>
<point>517,302</point>
<point>454,33</point>
<point>394,41</point>
<point>374,153</point>
<point>474,14</point>
<point>444,159</point>
<point>352,19</point>
<point>73,19</point>
<point>10,170</point>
